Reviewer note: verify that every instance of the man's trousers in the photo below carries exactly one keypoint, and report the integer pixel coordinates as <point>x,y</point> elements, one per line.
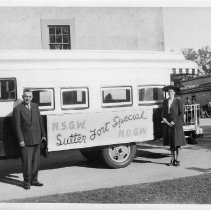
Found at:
<point>30,156</point>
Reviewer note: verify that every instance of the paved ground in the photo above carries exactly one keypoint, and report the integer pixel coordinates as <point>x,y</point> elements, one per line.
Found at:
<point>205,122</point>
<point>68,171</point>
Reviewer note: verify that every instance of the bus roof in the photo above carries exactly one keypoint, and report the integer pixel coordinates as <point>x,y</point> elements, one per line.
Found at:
<point>26,59</point>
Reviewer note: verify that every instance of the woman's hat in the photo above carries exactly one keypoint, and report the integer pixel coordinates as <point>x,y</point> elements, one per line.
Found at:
<point>171,87</point>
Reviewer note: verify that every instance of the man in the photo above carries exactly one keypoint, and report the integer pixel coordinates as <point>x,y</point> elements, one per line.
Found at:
<point>193,100</point>
<point>187,101</point>
<point>188,115</point>
<point>29,129</point>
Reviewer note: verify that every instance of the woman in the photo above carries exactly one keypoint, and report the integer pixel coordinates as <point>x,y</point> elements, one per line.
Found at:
<point>172,119</point>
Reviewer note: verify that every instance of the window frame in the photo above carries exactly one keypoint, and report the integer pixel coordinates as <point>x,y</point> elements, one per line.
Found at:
<point>45,108</point>
<point>152,102</point>
<point>118,104</point>
<point>174,71</point>
<point>187,71</point>
<point>62,43</point>
<point>60,22</point>
<point>15,88</point>
<point>76,106</point>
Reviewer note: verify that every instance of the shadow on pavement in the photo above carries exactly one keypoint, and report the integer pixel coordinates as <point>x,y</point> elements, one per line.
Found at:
<point>202,144</point>
<point>150,146</point>
<point>55,160</point>
<point>203,170</point>
<point>62,159</point>
<point>10,167</point>
<point>11,179</point>
<point>151,155</point>
<point>148,154</point>
<point>144,161</point>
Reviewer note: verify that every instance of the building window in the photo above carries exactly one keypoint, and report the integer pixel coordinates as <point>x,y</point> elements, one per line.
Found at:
<point>187,71</point>
<point>180,71</point>
<point>193,71</point>
<point>8,89</point>
<point>150,94</point>
<point>59,37</point>
<point>74,98</point>
<point>43,97</point>
<point>174,71</point>
<point>116,96</point>
<point>58,34</point>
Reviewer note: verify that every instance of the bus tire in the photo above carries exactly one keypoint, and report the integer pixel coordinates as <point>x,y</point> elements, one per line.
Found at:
<point>118,156</point>
<point>91,154</point>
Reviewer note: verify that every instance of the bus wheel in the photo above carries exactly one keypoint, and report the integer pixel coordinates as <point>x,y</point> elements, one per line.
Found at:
<point>118,156</point>
<point>91,154</point>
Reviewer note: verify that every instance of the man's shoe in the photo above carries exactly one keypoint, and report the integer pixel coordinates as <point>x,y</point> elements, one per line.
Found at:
<point>38,184</point>
<point>26,185</point>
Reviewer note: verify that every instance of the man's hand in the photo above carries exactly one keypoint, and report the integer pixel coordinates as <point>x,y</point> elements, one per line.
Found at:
<point>22,144</point>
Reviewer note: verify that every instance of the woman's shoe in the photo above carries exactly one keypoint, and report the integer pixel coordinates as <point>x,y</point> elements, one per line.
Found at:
<point>176,163</point>
<point>171,163</point>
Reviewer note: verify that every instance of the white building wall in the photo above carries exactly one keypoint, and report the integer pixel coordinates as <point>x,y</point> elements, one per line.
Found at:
<point>95,28</point>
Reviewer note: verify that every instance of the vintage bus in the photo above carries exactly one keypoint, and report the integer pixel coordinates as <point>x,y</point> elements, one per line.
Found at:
<point>100,102</point>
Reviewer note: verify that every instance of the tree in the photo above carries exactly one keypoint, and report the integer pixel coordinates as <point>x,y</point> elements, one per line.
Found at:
<point>202,57</point>
<point>205,59</point>
<point>190,54</point>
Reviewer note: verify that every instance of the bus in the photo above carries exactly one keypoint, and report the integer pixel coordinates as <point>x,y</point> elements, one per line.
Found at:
<point>99,102</point>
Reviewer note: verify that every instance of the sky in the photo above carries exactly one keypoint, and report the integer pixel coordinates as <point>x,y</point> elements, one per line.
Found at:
<point>186,27</point>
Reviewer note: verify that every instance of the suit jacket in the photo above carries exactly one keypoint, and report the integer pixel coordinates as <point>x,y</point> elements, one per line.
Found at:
<point>28,124</point>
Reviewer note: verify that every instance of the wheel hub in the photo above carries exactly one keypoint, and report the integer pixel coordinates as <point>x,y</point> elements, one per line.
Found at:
<point>119,153</point>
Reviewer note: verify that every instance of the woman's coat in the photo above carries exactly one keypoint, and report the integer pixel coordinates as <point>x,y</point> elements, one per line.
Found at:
<point>173,136</point>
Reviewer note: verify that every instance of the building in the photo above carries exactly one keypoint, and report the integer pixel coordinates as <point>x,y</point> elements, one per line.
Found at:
<point>194,84</point>
<point>198,88</point>
<point>82,28</point>
<point>182,74</point>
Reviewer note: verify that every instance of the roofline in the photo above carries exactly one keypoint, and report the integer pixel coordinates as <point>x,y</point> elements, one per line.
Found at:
<point>138,59</point>
<point>89,54</point>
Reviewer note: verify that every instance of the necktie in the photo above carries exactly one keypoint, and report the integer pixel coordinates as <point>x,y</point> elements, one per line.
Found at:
<point>28,106</point>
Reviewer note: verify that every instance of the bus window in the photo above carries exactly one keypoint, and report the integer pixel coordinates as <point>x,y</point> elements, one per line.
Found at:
<point>74,98</point>
<point>8,89</point>
<point>44,98</point>
<point>150,94</point>
<point>116,96</point>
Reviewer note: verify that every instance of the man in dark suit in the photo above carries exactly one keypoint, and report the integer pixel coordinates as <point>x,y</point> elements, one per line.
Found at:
<point>29,130</point>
